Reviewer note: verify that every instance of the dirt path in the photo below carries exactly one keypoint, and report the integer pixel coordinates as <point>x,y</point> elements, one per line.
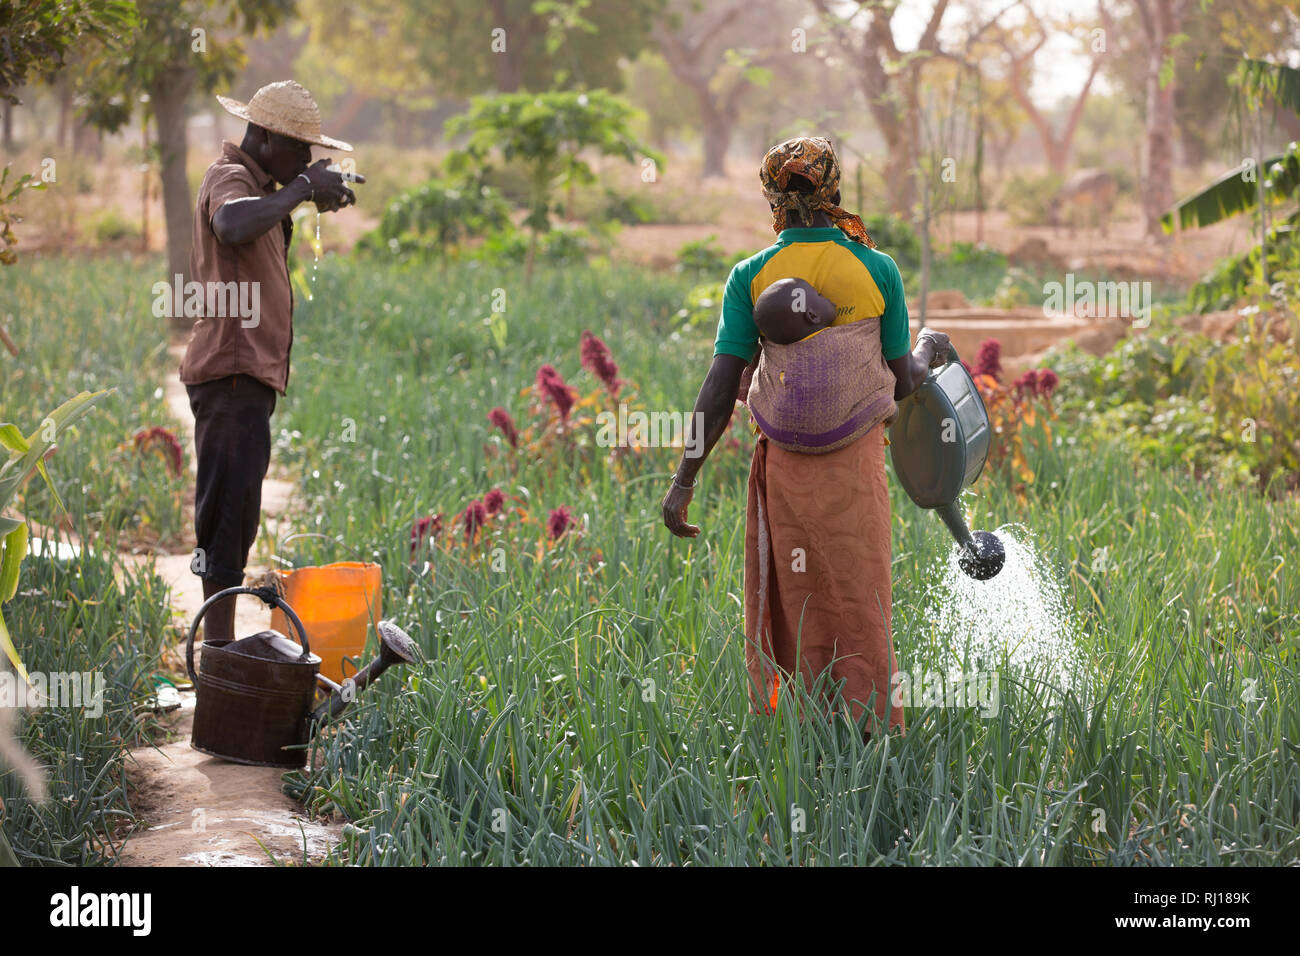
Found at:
<point>198,810</point>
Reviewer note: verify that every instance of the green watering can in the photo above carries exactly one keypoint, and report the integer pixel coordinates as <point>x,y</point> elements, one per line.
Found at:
<point>939,443</point>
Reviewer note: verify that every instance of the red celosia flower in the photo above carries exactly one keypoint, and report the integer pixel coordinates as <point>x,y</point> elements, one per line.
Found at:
<point>559,521</point>
<point>987,360</point>
<point>1037,382</point>
<point>1026,384</point>
<point>164,442</point>
<point>474,517</point>
<point>494,500</point>
<point>552,386</point>
<point>596,360</point>
<point>502,420</point>
<point>429,526</point>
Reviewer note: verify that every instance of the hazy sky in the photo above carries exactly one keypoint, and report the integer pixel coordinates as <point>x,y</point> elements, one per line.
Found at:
<point>1062,64</point>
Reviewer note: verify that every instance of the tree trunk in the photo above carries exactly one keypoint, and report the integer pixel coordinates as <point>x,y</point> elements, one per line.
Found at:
<point>715,129</point>
<point>65,111</point>
<point>1157,157</point>
<point>1163,19</point>
<point>1057,154</point>
<point>901,136</point>
<point>168,97</point>
<point>6,123</point>
<point>901,130</point>
<point>509,65</point>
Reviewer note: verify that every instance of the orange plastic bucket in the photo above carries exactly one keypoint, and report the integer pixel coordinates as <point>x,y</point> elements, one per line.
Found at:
<point>337,603</point>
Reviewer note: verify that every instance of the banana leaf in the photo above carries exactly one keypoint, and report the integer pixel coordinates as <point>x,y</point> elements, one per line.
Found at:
<point>1229,279</point>
<point>1232,193</point>
<point>1282,83</point>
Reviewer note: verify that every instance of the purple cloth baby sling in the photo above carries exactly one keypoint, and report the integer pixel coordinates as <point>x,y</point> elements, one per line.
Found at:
<point>823,392</point>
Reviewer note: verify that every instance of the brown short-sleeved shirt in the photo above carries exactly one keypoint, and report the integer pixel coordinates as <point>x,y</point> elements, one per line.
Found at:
<point>221,346</point>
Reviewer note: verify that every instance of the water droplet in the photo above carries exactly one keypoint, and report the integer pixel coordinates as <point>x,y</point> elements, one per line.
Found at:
<point>315,258</point>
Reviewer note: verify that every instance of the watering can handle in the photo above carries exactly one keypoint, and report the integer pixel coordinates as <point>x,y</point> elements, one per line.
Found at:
<point>952,358</point>
<point>268,596</point>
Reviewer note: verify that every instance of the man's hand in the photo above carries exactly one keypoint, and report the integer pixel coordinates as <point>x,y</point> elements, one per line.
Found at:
<point>675,504</point>
<point>327,188</point>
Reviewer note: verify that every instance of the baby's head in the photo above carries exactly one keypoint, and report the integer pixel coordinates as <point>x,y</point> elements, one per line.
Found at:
<point>790,309</point>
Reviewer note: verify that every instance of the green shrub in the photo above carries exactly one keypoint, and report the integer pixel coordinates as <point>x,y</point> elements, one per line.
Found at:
<point>1028,197</point>
<point>610,205</point>
<point>108,486</point>
<point>1221,408</point>
<point>701,255</point>
<point>1011,292</point>
<point>701,306</point>
<point>895,236</point>
<point>438,215</point>
<point>110,226</point>
<point>571,245</point>
<point>977,270</point>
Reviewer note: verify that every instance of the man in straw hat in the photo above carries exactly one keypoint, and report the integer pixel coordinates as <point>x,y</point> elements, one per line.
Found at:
<point>817,537</point>
<point>237,360</point>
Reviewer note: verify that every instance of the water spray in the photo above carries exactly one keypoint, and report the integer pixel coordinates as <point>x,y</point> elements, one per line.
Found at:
<point>939,443</point>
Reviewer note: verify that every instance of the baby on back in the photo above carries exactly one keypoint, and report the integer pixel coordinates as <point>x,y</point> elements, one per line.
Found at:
<point>790,309</point>
<point>816,396</point>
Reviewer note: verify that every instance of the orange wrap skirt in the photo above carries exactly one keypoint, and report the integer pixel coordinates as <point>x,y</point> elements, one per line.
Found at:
<point>817,575</point>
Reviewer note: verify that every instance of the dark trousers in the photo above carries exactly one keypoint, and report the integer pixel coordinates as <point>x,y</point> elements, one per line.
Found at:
<point>232,434</point>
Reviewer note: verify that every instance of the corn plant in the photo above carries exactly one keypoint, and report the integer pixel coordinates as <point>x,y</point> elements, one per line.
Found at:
<point>26,457</point>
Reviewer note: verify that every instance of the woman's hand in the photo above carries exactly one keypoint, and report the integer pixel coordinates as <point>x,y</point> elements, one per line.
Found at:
<point>910,370</point>
<point>713,408</point>
<point>938,344</point>
<point>675,504</point>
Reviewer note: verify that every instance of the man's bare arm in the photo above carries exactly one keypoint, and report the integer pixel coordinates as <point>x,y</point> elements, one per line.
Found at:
<point>243,220</point>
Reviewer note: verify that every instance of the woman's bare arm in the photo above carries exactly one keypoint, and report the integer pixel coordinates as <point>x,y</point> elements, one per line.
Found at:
<point>713,408</point>
<point>910,370</point>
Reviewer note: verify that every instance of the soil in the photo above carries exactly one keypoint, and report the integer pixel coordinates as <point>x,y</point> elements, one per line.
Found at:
<point>196,810</point>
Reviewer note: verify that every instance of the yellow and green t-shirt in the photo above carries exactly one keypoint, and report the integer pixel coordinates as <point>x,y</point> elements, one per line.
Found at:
<point>862,282</point>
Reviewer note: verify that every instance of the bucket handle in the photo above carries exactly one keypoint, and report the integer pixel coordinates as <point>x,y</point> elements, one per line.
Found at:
<point>270,597</point>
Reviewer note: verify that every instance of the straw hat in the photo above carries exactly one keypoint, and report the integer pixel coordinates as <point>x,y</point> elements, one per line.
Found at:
<point>285,108</point>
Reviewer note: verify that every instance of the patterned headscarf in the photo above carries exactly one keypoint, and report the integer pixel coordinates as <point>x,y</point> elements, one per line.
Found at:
<point>814,159</point>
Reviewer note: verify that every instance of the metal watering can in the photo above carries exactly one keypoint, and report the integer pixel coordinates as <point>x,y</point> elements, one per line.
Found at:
<point>254,696</point>
<point>939,443</point>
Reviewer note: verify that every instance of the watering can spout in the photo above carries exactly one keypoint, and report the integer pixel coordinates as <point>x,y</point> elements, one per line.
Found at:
<point>953,519</point>
<point>395,647</point>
